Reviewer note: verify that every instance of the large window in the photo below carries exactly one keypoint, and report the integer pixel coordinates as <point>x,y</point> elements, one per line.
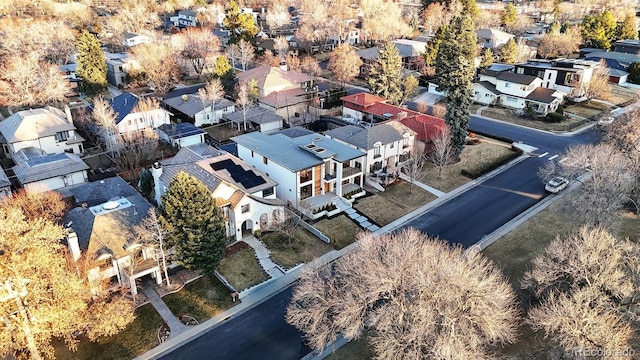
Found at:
<point>245,208</point>
<point>62,136</point>
<point>376,151</point>
<point>267,192</point>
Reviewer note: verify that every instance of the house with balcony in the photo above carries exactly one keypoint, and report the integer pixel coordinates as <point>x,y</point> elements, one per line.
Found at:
<point>568,76</point>
<point>516,91</point>
<point>387,145</point>
<point>311,170</point>
<point>48,129</point>
<point>245,195</point>
<point>100,231</point>
<point>38,171</point>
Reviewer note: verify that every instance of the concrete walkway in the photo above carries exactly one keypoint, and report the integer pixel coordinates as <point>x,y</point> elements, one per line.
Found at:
<point>264,257</point>
<point>361,220</point>
<point>430,189</point>
<point>175,325</point>
<point>481,109</point>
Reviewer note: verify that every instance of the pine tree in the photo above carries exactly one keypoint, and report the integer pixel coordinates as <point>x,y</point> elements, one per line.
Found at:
<point>509,15</point>
<point>91,64</point>
<point>487,59</point>
<point>627,28</point>
<point>385,75</point>
<point>454,70</point>
<point>240,25</point>
<point>431,50</point>
<point>509,52</point>
<point>197,229</point>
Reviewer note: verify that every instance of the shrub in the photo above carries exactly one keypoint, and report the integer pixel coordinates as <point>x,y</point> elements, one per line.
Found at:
<point>555,117</point>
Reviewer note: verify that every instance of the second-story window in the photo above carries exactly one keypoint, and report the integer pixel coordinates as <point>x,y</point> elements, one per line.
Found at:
<point>267,192</point>
<point>62,136</point>
<point>376,151</point>
<point>245,208</point>
<point>265,160</point>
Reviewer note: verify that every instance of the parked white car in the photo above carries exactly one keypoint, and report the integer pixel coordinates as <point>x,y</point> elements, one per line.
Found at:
<point>556,184</point>
<point>606,120</point>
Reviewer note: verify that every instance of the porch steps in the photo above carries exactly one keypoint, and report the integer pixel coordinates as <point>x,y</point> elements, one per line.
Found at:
<point>373,184</point>
<point>341,203</point>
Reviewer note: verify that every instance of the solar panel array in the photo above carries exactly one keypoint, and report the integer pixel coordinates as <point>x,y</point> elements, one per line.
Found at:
<point>247,178</point>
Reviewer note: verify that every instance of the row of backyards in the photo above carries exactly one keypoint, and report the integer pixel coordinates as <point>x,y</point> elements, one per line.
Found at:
<point>205,298</point>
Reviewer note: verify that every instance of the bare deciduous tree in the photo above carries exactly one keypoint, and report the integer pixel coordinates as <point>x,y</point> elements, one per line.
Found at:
<point>344,63</point>
<point>158,62</point>
<point>244,100</point>
<point>414,165</point>
<point>607,177</point>
<point>246,52</point>
<point>281,45</point>
<point>199,47</point>
<point>583,284</point>
<point>25,81</point>
<point>233,52</point>
<point>136,149</point>
<point>438,111</point>
<point>48,40</point>
<point>210,94</point>
<point>442,151</point>
<point>309,65</point>
<point>383,21</point>
<point>624,133</point>
<point>421,297</point>
<point>151,232</point>
<point>104,119</point>
<point>598,86</point>
<point>278,15</point>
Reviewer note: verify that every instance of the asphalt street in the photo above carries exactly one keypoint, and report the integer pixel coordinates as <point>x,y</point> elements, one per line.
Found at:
<point>262,332</point>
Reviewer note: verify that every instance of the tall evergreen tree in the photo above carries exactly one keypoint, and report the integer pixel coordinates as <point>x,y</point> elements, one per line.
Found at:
<point>487,59</point>
<point>197,228</point>
<point>431,50</point>
<point>627,28</point>
<point>509,52</point>
<point>239,24</point>
<point>385,75</point>
<point>91,64</point>
<point>509,14</point>
<point>454,70</point>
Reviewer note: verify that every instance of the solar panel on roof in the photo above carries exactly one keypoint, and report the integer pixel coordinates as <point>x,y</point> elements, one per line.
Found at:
<point>246,178</point>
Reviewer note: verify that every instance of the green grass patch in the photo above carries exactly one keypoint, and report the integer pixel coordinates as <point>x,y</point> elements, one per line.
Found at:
<point>203,299</point>
<point>136,339</point>
<point>242,269</point>
<point>302,247</point>
<point>340,229</point>
<point>397,200</point>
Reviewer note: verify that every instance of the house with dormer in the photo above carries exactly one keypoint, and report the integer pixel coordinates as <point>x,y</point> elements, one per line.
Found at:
<point>48,129</point>
<point>245,195</point>
<point>100,232</point>
<point>311,170</point>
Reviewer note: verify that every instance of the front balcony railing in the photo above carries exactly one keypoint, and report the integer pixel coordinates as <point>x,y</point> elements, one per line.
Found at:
<point>350,171</point>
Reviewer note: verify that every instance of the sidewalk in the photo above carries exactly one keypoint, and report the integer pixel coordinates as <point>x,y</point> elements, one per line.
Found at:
<point>262,292</point>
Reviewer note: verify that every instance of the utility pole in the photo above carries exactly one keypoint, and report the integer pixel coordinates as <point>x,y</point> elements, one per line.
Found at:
<point>22,312</point>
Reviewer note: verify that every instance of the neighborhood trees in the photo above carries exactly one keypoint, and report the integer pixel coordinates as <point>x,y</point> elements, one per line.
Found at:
<point>584,287</point>
<point>385,74</point>
<point>599,31</point>
<point>52,299</point>
<point>419,297</point>
<point>509,15</point>
<point>158,63</point>
<point>26,81</point>
<point>556,43</point>
<point>344,64</point>
<point>239,24</point>
<point>383,21</point>
<point>599,86</point>
<point>197,228</point>
<point>509,52</point>
<point>151,232</point>
<point>91,64</point>
<point>104,121</point>
<point>199,45</point>
<point>487,59</point>
<point>627,28</point>
<point>455,69</point>
<point>442,152</point>
<point>210,94</point>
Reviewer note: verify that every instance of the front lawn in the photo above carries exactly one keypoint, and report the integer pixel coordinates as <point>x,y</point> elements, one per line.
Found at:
<point>138,337</point>
<point>393,203</point>
<point>303,247</point>
<point>203,299</point>
<point>242,269</point>
<point>340,229</point>
<point>507,115</point>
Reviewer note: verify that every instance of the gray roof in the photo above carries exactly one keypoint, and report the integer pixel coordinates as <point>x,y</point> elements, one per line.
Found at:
<point>255,114</point>
<point>180,130</point>
<point>34,124</point>
<point>369,53</point>
<point>185,160</point>
<point>4,180</point>
<point>295,131</point>
<point>489,86</point>
<point>516,78</point>
<point>295,154</point>
<point>385,133</point>
<point>231,178</point>
<point>194,104</point>
<point>35,165</point>
<point>110,230</point>
<point>542,95</point>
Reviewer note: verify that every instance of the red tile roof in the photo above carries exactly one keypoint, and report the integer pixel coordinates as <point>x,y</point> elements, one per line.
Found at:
<point>363,99</point>
<point>426,126</point>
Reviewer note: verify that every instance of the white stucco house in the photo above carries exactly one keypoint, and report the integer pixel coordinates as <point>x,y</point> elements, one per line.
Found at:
<point>129,118</point>
<point>191,108</point>
<point>245,195</point>
<point>100,229</point>
<point>387,145</point>
<point>310,170</point>
<point>38,171</point>
<point>48,129</point>
<point>180,134</point>
<point>131,40</point>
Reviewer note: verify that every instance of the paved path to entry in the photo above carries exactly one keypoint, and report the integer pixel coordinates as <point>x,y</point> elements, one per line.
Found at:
<point>175,325</point>
<point>264,257</point>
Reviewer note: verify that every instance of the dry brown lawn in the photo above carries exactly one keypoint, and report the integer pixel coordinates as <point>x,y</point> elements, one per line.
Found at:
<point>393,203</point>
<point>507,115</point>
<point>222,132</point>
<point>473,158</point>
<point>242,269</point>
<point>340,229</point>
<point>303,247</point>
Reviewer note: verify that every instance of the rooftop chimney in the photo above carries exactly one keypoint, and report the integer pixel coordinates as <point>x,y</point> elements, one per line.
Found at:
<point>72,242</point>
<point>283,66</point>
<point>67,112</point>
